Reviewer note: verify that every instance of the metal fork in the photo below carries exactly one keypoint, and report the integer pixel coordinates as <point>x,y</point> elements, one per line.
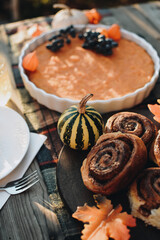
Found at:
<point>21,184</point>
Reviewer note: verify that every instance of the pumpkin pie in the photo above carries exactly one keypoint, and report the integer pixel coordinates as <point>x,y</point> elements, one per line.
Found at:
<point>70,73</point>
<point>73,72</point>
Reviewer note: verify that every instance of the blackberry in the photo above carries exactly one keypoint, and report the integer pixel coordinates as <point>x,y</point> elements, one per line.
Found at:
<point>63,31</point>
<point>101,42</point>
<point>93,40</point>
<point>56,45</point>
<point>68,41</point>
<point>86,35</point>
<point>49,46</point>
<point>54,49</point>
<point>95,34</point>
<point>72,32</point>
<point>92,43</point>
<point>54,37</point>
<point>81,36</point>
<point>108,52</point>
<point>88,32</point>
<point>85,45</point>
<point>101,37</point>
<point>114,44</point>
<point>58,39</point>
<point>69,27</point>
<point>98,48</point>
<point>107,46</point>
<point>109,40</point>
<point>58,42</point>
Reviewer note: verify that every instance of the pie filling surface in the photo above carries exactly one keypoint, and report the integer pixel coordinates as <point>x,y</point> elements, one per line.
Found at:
<point>72,72</point>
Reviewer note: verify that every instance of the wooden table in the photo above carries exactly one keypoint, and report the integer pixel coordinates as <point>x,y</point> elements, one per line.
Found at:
<point>25,216</point>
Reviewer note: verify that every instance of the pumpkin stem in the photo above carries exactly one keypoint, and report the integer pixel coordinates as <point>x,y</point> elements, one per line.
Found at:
<point>62,6</point>
<point>82,103</point>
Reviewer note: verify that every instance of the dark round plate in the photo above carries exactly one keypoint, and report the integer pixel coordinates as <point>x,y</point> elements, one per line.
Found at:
<point>74,193</point>
<point>69,180</point>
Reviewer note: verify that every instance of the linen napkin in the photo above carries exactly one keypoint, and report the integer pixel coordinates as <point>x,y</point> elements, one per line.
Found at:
<point>36,141</point>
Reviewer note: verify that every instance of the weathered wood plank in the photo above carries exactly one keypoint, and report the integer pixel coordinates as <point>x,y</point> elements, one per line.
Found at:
<point>24,216</point>
<point>145,21</point>
<point>151,11</point>
<point>132,21</point>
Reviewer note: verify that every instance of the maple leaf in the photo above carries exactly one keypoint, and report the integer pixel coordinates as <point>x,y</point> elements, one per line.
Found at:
<point>155,109</point>
<point>103,221</point>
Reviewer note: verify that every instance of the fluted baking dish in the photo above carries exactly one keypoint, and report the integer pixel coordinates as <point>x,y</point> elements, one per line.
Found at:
<point>114,104</point>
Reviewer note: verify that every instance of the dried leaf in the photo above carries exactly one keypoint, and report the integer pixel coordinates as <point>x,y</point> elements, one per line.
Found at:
<point>103,221</point>
<point>155,109</point>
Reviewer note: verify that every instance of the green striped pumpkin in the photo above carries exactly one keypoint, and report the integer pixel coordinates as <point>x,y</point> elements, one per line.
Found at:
<point>80,126</point>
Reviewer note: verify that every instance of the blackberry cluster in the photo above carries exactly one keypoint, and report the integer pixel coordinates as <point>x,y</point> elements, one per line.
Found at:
<point>98,42</point>
<point>57,41</point>
<point>92,40</point>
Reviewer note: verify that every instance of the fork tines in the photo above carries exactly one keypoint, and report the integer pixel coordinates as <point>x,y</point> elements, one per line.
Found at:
<point>27,181</point>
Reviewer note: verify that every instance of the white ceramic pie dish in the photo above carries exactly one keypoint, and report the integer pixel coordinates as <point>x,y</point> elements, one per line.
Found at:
<point>114,104</point>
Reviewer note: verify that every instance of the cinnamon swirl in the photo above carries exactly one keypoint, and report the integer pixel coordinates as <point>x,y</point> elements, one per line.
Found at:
<point>155,150</point>
<point>113,162</point>
<point>134,123</point>
<point>144,196</point>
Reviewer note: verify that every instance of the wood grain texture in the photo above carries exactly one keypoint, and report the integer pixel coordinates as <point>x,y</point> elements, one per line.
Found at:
<point>132,20</point>
<point>26,216</point>
<point>151,12</point>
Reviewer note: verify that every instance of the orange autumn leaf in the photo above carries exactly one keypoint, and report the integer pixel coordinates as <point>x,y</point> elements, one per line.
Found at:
<point>103,221</point>
<point>114,32</point>
<point>93,16</point>
<point>30,61</point>
<point>155,109</point>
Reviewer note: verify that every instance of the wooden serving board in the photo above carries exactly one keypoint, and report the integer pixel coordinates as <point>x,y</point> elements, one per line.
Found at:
<point>74,193</point>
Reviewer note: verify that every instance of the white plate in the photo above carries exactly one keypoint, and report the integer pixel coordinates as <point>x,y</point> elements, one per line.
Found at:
<point>14,140</point>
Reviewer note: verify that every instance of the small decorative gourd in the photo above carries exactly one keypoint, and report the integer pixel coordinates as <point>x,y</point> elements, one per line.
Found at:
<point>80,126</point>
<point>68,16</point>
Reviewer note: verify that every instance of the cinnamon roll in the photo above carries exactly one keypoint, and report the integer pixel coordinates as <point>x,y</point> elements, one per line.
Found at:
<point>144,196</point>
<point>134,123</point>
<point>113,162</point>
<point>155,150</point>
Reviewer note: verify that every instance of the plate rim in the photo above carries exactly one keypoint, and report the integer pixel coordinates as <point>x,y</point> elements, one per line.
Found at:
<point>27,142</point>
